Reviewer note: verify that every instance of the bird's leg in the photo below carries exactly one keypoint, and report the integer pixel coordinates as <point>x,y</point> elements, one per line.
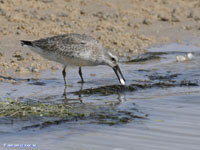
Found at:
<point>65,92</point>
<point>80,73</point>
<point>64,75</point>
<point>79,95</point>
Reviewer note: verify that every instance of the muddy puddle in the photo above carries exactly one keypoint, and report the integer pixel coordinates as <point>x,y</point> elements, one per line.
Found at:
<point>157,109</point>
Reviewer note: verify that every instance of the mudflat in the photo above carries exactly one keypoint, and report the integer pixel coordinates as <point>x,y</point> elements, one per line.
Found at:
<point>129,27</point>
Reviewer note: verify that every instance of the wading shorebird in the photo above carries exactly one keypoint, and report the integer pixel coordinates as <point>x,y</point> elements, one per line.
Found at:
<point>75,50</point>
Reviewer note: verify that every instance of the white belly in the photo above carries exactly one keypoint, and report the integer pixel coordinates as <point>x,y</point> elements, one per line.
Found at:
<point>65,60</point>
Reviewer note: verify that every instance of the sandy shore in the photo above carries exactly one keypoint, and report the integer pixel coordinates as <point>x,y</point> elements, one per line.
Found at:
<point>127,26</point>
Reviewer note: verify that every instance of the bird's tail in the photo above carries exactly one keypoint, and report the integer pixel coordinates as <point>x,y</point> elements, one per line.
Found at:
<point>29,43</point>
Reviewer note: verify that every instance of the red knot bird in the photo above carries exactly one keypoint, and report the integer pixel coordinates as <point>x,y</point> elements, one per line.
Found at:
<point>75,50</point>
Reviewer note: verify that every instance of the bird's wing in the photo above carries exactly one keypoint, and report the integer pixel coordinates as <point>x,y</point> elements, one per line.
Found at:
<point>68,44</point>
<point>64,40</point>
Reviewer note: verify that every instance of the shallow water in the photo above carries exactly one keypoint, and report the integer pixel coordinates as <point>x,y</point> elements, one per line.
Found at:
<point>157,109</point>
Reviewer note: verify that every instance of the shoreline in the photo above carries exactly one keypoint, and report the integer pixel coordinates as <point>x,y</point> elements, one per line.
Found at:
<point>128,28</point>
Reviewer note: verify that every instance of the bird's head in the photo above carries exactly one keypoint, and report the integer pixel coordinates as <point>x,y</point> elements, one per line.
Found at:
<point>112,60</point>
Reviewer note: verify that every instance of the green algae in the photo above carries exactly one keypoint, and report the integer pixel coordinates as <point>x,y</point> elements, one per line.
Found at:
<point>105,90</point>
<point>149,56</point>
<point>115,89</point>
<point>18,109</point>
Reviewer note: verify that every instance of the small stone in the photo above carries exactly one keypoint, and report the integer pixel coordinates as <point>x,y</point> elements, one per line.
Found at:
<point>17,33</point>
<point>12,61</point>
<point>18,55</point>
<point>43,18</point>
<point>115,43</point>
<point>146,22</point>
<point>181,58</point>
<point>33,69</point>
<point>82,12</point>
<point>129,24</point>
<point>18,69</point>
<point>21,69</point>
<point>54,68</point>
<point>190,56</point>
<point>163,18</point>
<point>1,79</point>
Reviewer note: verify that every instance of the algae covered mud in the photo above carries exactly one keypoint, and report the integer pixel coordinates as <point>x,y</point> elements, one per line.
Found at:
<point>157,109</point>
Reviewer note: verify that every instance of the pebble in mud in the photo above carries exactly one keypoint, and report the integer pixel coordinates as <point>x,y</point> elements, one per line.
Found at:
<point>190,56</point>
<point>33,69</point>
<point>21,70</point>
<point>54,68</point>
<point>163,17</point>
<point>147,22</point>
<point>18,55</point>
<point>180,58</point>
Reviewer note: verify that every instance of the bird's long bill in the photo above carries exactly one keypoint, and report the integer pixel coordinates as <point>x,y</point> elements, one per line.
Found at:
<point>118,72</point>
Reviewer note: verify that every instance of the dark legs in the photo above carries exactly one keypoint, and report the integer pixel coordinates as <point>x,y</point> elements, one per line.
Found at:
<point>80,73</point>
<point>72,100</point>
<point>64,75</point>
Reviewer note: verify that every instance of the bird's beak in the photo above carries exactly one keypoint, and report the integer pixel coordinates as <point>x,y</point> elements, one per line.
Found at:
<point>118,72</point>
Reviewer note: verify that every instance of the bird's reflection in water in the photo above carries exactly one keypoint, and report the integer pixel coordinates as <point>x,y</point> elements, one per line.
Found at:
<point>121,97</point>
<point>72,101</point>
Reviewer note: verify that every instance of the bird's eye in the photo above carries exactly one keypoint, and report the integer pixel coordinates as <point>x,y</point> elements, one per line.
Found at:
<point>113,59</point>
